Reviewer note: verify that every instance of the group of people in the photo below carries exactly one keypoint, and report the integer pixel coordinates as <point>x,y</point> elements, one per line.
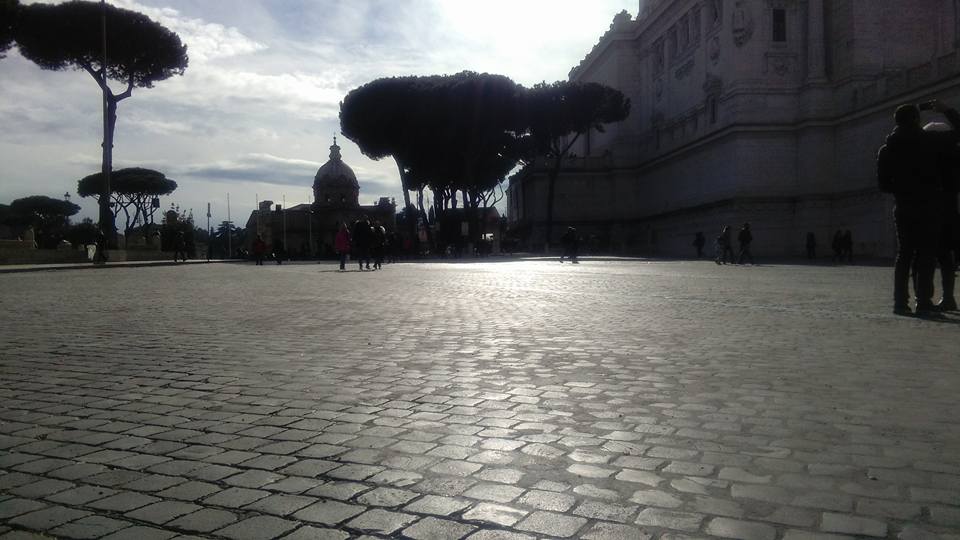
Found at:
<point>260,249</point>
<point>723,245</point>
<point>366,241</point>
<point>920,166</point>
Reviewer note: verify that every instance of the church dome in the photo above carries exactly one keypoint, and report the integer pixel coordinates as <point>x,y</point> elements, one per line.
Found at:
<point>336,183</point>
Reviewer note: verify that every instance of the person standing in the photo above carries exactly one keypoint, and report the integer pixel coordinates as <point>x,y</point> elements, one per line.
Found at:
<point>571,244</point>
<point>259,249</point>
<point>698,242</point>
<point>909,167</point>
<point>745,238</point>
<point>947,253</point>
<point>723,246</point>
<point>361,241</point>
<point>342,244</point>
<point>180,247</point>
<point>847,245</point>
<point>811,246</point>
<point>837,246</point>
<point>379,244</point>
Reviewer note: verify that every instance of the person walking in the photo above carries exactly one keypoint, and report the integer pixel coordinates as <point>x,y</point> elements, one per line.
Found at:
<point>180,247</point>
<point>361,241</point>
<point>698,242</point>
<point>909,167</point>
<point>837,246</point>
<point>723,246</point>
<point>259,250</point>
<point>745,238</point>
<point>379,244</point>
<point>811,246</point>
<point>341,243</point>
<point>571,244</point>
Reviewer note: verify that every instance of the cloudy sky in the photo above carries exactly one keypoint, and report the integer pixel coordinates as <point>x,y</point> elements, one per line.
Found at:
<point>257,108</point>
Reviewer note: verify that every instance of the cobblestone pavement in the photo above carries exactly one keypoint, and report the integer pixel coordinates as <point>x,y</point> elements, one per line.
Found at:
<point>490,401</point>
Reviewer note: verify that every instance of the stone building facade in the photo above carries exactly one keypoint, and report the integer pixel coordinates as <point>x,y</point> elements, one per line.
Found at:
<point>767,111</point>
<point>310,229</point>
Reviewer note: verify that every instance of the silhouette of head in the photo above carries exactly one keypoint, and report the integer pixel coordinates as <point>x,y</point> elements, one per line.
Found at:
<point>907,116</point>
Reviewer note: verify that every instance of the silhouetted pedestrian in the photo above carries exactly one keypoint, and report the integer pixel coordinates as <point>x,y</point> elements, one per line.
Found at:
<point>847,245</point>
<point>341,243</point>
<point>909,167</point>
<point>361,241</point>
<point>698,242</point>
<point>811,246</point>
<point>379,243</point>
<point>723,246</point>
<point>837,246</point>
<point>259,250</point>
<point>745,238</point>
<point>571,244</point>
<point>180,247</point>
<point>947,253</point>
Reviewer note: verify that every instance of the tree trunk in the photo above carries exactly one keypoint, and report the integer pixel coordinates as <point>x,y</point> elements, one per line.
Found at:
<point>411,224</point>
<point>107,223</point>
<point>551,189</point>
<point>423,216</point>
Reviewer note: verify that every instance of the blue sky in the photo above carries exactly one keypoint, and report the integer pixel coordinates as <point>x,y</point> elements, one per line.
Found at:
<point>256,110</point>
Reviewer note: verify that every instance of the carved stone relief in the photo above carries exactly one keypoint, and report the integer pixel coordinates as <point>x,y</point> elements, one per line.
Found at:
<point>684,70</point>
<point>658,89</point>
<point>713,49</point>
<point>742,27</point>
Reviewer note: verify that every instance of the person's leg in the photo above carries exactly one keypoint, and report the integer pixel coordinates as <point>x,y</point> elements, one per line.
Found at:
<point>904,262</point>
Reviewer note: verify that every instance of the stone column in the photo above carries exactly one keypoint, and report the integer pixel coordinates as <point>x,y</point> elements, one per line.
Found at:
<point>816,46</point>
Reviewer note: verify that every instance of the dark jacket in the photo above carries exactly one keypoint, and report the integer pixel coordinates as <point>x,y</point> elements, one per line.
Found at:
<point>910,164</point>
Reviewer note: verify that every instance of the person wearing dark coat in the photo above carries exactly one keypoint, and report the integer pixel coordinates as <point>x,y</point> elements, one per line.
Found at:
<point>362,238</point>
<point>909,167</point>
<point>571,245</point>
<point>846,245</point>
<point>698,242</point>
<point>947,252</point>
<point>723,246</point>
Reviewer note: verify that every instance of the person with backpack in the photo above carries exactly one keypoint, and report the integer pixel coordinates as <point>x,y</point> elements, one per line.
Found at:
<point>745,238</point>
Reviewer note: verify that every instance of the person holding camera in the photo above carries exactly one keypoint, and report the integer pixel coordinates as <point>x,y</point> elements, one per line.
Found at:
<point>909,166</point>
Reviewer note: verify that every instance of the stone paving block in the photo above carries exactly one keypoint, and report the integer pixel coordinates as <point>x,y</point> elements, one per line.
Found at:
<point>189,491</point>
<point>739,529</point>
<point>338,490</point>
<point>606,511</point>
<point>498,535</point>
<point>280,505</point>
<point>381,521</point>
<point>141,533</point>
<point>80,495</point>
<point>258,528</point>
<point>235,497</point>
<point>552,524</point>
<point>204,520</point>
<point>253,479</point>
<point>162,512</point>
<point>613,531</point>
<point>123,502</point>
<point>14,507</point>
<point>437,529</point>
<point>41,488</point>
<point>845,523</point>
<point>308,532</point>
<point>47,518</point>
<point>387,497</point>
<point>547,500</point>
<point>90,527</point>
<point>668,519</point>
<point>328,512</point>
<point>497,514</point>
<point>493,492</point>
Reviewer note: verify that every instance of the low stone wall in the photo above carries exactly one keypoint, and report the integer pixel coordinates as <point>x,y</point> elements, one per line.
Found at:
<point>22,255</point>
